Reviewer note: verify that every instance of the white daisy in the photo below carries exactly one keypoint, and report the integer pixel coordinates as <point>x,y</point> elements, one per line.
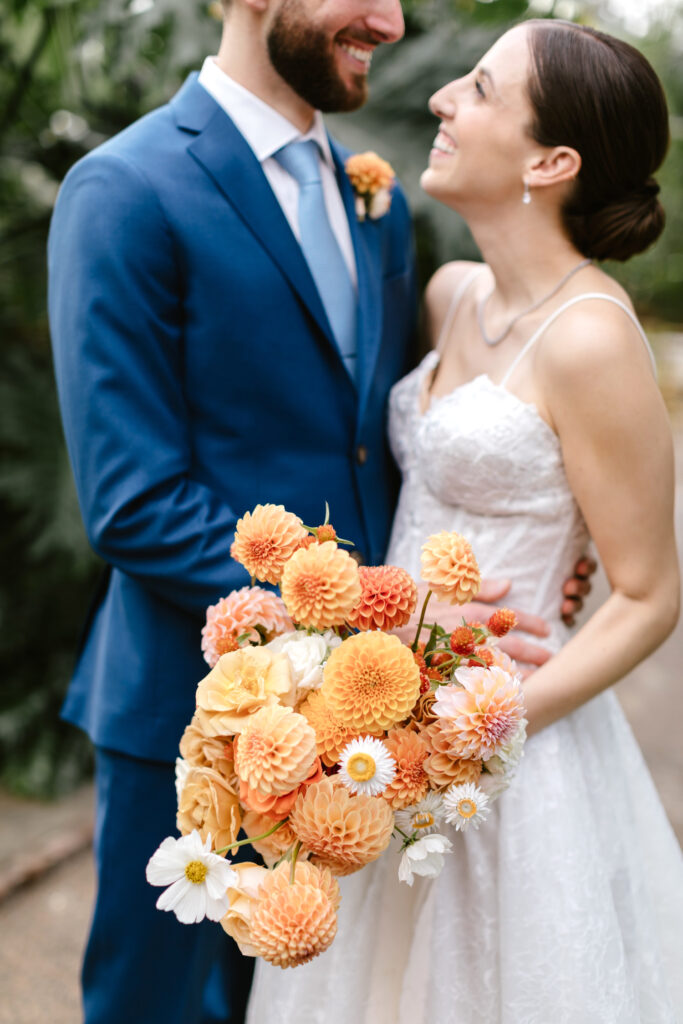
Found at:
<point>466,806</point>
<point>197,879</point>
<point>366,766</point>
<point>424,857</point>
<point>424,817</point>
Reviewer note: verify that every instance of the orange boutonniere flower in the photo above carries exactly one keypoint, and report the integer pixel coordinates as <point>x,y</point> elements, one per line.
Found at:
<point>372,179</point>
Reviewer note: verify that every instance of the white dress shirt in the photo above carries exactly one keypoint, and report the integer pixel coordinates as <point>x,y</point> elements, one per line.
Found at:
<point>267,131</point>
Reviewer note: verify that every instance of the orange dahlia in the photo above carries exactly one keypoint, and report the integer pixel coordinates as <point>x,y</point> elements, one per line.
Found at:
<point>344,830</point>
<point>292,923</point>
<point>482,713</point>
<point>277,807</point>
<point>411,781</point>
<point>275,750</point>
<point>368,173</point>
<point>320,585</point>
<point>443,769</point>
<point>371,681</point>
<point>331,735</point>
<point>265,539</point>
<point>450,568</point>
<point>239,613</point>
<point>388,598</point>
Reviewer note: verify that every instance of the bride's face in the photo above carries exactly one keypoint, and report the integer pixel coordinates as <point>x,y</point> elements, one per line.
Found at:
<point>483,143</point>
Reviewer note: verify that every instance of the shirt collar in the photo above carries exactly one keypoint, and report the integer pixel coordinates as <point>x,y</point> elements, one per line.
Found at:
<point>263,127</point>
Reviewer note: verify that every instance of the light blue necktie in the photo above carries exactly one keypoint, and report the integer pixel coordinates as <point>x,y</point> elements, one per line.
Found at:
<point>321,249</point>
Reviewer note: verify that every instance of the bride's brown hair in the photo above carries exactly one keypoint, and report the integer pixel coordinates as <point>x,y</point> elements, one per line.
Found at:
<point>600,96</point>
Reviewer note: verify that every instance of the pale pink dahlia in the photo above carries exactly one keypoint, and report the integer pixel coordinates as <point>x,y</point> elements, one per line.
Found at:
<point>239,613</point>
<point>481,714</point>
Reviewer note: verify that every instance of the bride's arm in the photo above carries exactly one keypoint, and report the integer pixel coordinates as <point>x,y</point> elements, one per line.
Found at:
<point>603,400</point>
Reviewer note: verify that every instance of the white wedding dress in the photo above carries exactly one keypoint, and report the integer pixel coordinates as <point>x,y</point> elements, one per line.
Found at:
<point>566,906</point>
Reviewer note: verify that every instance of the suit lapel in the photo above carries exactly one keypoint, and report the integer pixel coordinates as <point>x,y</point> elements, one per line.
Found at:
<point>366,244</point>
<point>230,162</point>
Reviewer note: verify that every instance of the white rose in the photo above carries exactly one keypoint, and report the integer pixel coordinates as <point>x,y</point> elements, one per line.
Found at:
<point>182,769</point>
<point>424,857</point>
<point>307,655</point>
<point>380,203</point>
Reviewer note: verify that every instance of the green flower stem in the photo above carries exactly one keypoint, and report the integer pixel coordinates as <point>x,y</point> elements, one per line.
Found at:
<point>295,854</point>
<point>252,839</point>
<point>421,622</point>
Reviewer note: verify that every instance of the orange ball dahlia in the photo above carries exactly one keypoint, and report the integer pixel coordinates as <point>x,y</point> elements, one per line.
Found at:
<point>277,807</point>
<point>320,585</point>
<point>450,568</point>
<point>388,598</point>
<point>371,681</point>
<point>239,613</point>
<point>443,769</point>
<point>291,924</point>
<point>368,172</point>
<point>331,735</point>
<point>345,831</point>
<point>411,782</point>
<point>275,750</point>
<point>265,539</point>
<point>482,713</point>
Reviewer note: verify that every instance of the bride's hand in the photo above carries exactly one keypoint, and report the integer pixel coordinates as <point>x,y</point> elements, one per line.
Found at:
<point>527,655</point>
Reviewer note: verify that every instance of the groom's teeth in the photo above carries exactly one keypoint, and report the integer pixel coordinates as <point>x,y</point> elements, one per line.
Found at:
<point>362,55</point>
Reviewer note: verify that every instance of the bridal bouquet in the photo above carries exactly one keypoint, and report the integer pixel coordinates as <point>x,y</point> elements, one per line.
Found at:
<point>321,734</point>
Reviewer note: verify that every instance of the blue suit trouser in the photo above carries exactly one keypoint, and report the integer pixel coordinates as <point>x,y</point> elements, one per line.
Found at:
<point>141,965</point>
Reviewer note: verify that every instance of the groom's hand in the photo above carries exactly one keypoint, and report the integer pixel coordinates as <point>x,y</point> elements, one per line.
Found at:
<point>527,655</point>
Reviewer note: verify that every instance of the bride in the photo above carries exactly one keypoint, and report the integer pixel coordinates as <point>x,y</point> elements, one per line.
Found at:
<point>534,421</point>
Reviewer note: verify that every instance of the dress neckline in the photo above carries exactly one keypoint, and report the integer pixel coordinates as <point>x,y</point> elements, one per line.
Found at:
<point>430,362</point>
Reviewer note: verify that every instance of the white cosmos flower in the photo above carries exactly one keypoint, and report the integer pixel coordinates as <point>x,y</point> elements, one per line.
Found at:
<point>466,806</point>
<point>197,879</point>
<point>366,766</point>
<point>423,857</point>
<point>424,817</point>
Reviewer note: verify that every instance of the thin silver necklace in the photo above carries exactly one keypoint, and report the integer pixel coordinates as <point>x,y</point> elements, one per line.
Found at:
<point>481,306</point>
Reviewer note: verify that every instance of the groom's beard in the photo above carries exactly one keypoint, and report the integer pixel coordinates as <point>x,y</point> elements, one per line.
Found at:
<point>304,58</point>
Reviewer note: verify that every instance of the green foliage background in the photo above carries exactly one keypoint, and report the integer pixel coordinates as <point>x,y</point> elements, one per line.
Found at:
<point>73,72</point>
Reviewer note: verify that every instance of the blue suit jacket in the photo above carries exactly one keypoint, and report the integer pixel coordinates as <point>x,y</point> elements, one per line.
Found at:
<point>197,376</point>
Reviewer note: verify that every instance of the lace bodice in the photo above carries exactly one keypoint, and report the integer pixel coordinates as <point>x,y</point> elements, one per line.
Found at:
<point>484,463</point>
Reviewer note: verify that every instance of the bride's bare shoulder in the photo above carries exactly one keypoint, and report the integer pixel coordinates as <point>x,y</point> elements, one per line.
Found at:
<point>440,290</point>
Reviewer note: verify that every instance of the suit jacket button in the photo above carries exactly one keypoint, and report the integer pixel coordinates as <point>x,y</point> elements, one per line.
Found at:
<point>357,556</point>
<point>361,455</point>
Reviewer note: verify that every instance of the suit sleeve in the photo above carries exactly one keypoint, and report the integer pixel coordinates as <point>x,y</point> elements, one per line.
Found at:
<point>116,318</point>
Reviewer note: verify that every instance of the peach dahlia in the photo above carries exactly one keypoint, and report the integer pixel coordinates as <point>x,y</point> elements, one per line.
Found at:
<point>320,585</point>
<point>388,598</point>
<point>265,539</point>
<point>450,568</point>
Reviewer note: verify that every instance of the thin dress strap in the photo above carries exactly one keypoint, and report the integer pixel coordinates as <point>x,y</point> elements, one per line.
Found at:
<point>572,302</point>
<point>454,303</point>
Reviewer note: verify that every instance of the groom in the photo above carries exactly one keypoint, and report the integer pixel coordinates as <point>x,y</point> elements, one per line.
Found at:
<point>225,333</point>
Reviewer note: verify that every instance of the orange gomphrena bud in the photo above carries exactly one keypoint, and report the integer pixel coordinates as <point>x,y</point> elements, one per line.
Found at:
<point>326,532</point>
<point>502,621</point>
<point>463,640</point>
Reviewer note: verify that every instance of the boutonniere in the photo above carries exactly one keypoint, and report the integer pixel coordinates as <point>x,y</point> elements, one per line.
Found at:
<point>372,180</point>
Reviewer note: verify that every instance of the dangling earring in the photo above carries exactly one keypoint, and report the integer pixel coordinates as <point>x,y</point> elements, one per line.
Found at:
<point>526,198</point>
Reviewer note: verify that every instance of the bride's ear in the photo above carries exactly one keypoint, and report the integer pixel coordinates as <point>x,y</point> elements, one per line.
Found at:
<point>561,163</point>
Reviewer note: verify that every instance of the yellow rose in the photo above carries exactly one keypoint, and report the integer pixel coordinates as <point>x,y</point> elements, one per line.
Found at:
<point>202,751</point>
<point>208,804</point>
<point>244,898</point>
<point>240,683</point>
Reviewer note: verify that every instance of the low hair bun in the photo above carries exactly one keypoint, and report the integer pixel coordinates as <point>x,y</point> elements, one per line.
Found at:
<point>585,87</point>
<point>621,228</point>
